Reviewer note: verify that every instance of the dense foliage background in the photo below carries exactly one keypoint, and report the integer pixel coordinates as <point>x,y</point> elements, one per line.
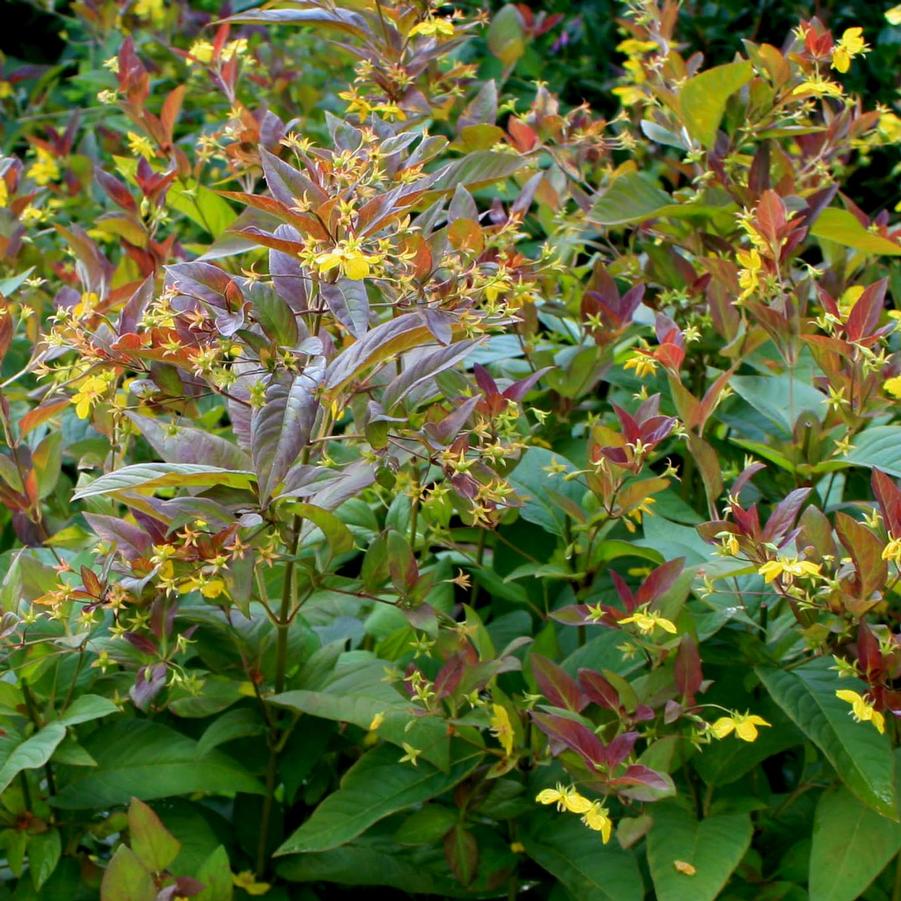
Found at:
<point>449,453</point>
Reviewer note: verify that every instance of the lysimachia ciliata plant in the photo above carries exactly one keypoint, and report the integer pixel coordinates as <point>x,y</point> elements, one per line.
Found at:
<point>412,481</point>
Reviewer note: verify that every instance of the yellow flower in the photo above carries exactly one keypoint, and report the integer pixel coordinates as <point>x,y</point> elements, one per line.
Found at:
<point>377,721</point>
<point>647,622</point>
<point>633,47</point>
<point>89,392</point>
<point>597,818</point>
<point>643,364</point>
<point>892,551</point>
<point>209,588</point>
<point>862,709</point>
<point>566,798</point>
<point>140,146</point>
<point>356,103</point>
<point>4,192</point>
<point>819,87</point>
<point>890,126</point>
<point>150,10</point>
<point>247,882</point>
<point>850,44</point>
<point>788,568</point>
<point>349,259</point>
<point>749,276</point>
<point>44,169</point>
<point>6,90</point>
<point>744,726</point>
<point>502,728</point>
<point>433,28</point>
<point>201,52</point>
<point>237,47</point>
<point>893,15</point>
<point>893,386</point>
<point>629,95</point>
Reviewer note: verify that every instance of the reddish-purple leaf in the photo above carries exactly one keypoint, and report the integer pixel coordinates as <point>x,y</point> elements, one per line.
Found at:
<point>556,684</point>
<point>659,581</point>
<point>889,497</point>
<point>784,514</point>
<point>573,735</point>
<point>688,669</point>
<point>598,690</point>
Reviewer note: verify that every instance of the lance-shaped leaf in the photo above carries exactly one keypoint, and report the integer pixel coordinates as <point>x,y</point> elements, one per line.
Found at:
<point>573,735</point>
<point>703,98</point>
<point>479,168</point>
<point>281,428</point>
<point>425,368</point>
<point>384,342</point>
<point>31,753</point>
<point>861,756</point>
<point>349,303</point>
<point>145,478</point>
<point>556,684</point>
<point>179,444</point>
<point>373,788</point>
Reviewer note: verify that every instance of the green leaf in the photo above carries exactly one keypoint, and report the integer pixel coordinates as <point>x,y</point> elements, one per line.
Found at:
<point>506,35</point>
<point>779,398</point>
<point>860,755</point>
<point>216,876</point>
<point>852,845</point>
<point>31,753</point>
<point>540,488</point>
<point>10,285</point>
<point>725,762</point>
<point>281,428</point>
<point>44,851</point>
<point>149,839</point>
<point>574,855</point>
<point>126,879</point>
<point>878,447</point>
<point>202,206</point>
<point>147,760</point>
<point>632,198</point>
<point>714,846</point>
<point>356,693</point>
<point>843,228</point>
<point>86,708</point>
<point>238,723</point>
<point>370,864</point>
<point>340,539</point>
<point>376,786</point>
<point>145,478</point>
<point>703,98</point>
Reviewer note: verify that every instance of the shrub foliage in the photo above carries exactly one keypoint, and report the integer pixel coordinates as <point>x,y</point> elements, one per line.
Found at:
<point>412,480</point>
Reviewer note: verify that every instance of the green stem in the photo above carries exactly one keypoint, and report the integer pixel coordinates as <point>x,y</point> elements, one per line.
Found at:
<point>282,625</point>
<point>36,720</point>
<point>284,614</point>
<point>480,557</point>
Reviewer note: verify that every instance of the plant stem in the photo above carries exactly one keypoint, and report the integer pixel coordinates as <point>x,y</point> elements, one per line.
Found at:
<point>284,614</point>
<point>36,720</point>
<point>282,625</point>
<point>480,557</point>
